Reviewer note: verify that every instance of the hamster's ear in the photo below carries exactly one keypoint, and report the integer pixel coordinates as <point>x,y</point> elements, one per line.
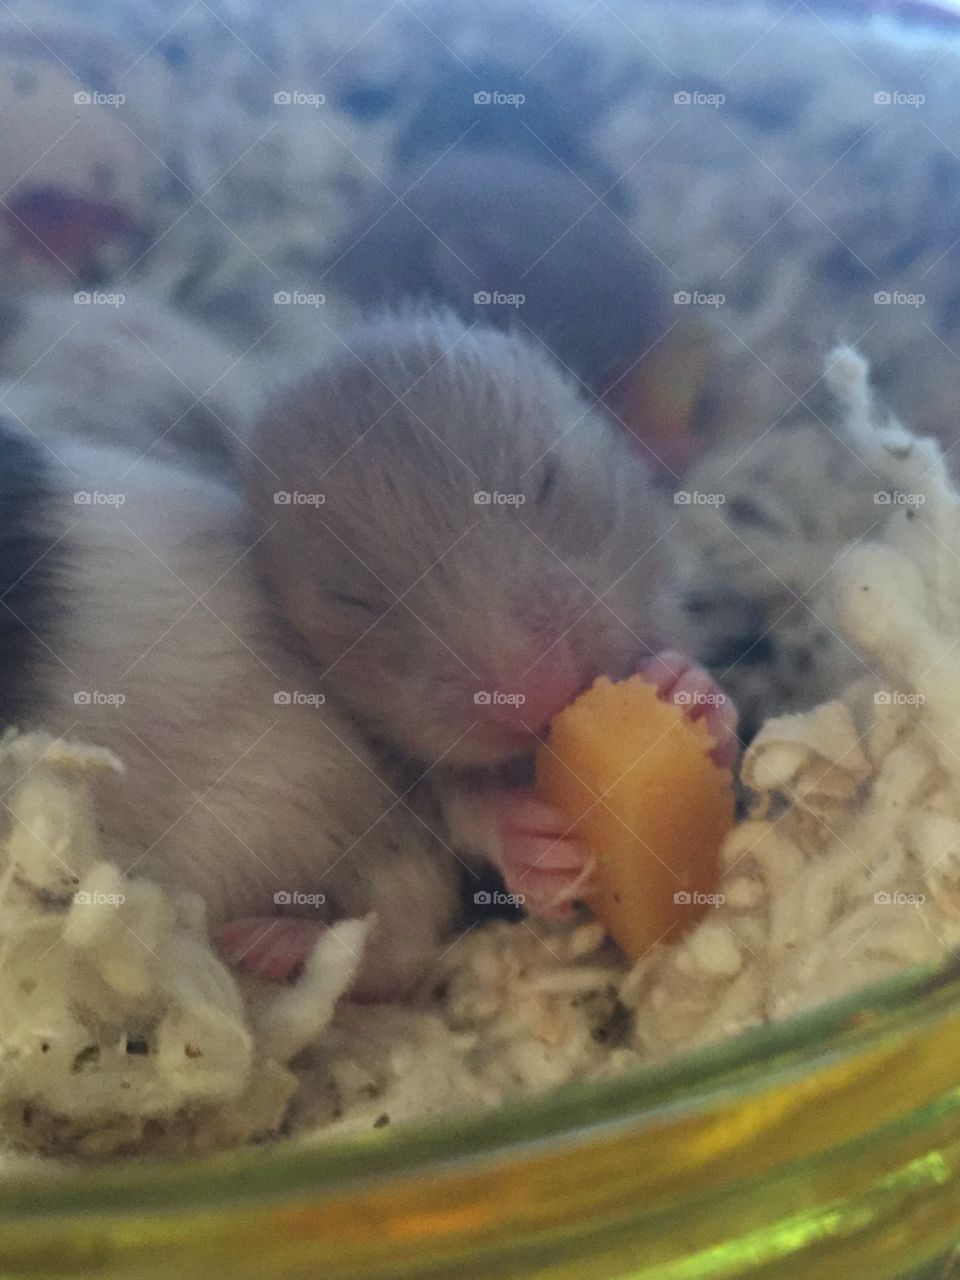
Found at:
<point>655,398</point>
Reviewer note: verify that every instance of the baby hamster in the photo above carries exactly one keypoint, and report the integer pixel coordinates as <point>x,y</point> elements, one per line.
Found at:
<point>463,543</point>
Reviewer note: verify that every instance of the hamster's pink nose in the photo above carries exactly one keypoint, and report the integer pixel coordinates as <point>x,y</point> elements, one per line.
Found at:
<point>527,702</point>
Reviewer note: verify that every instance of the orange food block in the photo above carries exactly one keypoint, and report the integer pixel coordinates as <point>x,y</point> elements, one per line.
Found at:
<point>634,777</point>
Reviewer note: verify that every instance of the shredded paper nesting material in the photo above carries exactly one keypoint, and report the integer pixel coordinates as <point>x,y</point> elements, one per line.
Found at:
<point>121,1029</point>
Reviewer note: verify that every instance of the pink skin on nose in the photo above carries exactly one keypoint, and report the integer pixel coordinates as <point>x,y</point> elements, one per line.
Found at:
<point>527,698</point>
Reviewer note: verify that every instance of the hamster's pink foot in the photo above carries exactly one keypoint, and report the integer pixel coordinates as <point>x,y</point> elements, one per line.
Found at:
<point>542,862</point>
<point>272,947</point>
<point>679,680</point>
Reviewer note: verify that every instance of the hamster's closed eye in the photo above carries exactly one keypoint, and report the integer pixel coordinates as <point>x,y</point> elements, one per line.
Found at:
<point>354,602</point>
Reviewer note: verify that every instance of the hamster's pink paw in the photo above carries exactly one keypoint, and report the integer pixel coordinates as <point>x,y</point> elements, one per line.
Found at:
<point>542,862</point>
<point>678,679</point>
<point>272,947</point>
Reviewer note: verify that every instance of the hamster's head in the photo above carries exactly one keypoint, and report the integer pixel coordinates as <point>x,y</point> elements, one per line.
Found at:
<point>462,541</point>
